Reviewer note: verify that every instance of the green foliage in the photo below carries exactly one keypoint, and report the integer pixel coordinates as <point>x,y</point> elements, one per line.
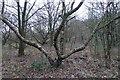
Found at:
<point>40,64</point>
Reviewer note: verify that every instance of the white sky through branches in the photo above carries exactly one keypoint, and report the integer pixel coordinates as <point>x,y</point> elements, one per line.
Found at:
<point>81,13</point>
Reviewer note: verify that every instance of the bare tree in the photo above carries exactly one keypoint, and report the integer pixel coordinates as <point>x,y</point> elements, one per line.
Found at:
<point>58,60</point>
<point>106,36</point>
<point>23,16</point>
<point>21,26</point>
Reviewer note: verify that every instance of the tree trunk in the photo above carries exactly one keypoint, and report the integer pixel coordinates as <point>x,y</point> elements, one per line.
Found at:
<point>22,28</point>
<point>57,63</point>
<point>21,43</point>
<point>62,42</point>
<point>21,48</point>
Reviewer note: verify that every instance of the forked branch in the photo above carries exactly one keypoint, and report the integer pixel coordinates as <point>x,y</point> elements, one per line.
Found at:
<point>90,38</point>
<point>31,43</point>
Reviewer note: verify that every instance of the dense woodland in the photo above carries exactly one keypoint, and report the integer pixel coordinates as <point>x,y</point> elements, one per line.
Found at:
<point>51,41</point>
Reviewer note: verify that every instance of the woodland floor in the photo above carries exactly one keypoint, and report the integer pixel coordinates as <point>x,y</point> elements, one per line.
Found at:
<point>81,64</point>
